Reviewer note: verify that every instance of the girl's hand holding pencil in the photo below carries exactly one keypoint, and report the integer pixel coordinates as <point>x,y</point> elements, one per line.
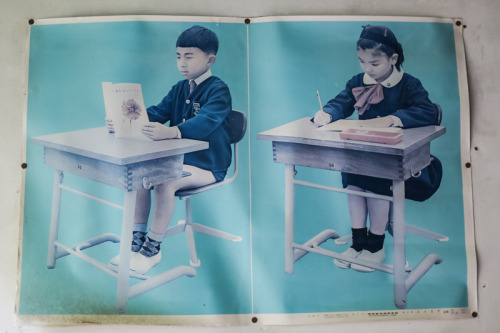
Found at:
<point>321,118</point>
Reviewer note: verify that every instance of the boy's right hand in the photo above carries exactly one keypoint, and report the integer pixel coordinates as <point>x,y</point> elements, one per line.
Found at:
<point>110,126</point>
<point>322,118</point>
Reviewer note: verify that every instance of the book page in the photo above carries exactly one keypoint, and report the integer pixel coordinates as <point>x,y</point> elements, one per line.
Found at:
<point>125,107</point>
<point>345,124</point>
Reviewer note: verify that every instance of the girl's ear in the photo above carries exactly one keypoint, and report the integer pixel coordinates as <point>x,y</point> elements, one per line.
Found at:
<point>394,58</point>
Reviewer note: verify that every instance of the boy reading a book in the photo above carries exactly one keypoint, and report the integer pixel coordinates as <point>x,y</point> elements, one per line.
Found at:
<point>196,108</point>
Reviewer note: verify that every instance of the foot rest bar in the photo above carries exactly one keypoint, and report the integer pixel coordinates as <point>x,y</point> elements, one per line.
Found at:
<point>342,190</point>
<point>62,249</point>
<point>425,233</point>
<point>380,267</point>
<point>106,202</point>
<point>77,252</point>
<point>411,229</point>
<point>131,273</point>
<point>160,279</point>
<point>421,269</point>
<point>315,241</point>
<point>343,240</point>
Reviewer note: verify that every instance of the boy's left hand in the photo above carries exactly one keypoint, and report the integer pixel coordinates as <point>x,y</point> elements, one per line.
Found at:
<point>378,122</point>
<point>157,131</point>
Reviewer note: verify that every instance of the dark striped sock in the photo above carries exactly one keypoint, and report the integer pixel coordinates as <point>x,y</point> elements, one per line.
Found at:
<point>150,248</point>
<point>138,238</point>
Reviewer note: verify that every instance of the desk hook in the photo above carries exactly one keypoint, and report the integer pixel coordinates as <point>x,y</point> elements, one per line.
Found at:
<point>145,184</point>
<point>415,174</point>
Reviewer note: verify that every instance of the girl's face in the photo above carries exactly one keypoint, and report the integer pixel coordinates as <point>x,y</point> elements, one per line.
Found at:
<point>376,63</point>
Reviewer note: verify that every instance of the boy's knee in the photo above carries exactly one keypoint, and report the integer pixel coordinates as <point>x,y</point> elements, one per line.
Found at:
<point>166,189</point>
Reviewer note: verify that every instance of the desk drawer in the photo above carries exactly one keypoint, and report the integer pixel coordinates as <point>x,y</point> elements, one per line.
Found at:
<point>125,177</point>
<point>352,161</point>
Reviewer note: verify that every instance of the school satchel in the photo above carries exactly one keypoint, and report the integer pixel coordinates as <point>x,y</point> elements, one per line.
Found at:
<point>427,183</point>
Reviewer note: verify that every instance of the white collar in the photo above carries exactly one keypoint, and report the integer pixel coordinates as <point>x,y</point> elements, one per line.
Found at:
<point>390,82</point>
<point>202,77</point>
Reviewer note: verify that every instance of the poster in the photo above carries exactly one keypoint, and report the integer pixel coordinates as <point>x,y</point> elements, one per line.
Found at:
<point>273,68</point>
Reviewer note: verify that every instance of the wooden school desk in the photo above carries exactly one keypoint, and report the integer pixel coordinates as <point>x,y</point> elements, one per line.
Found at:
<point>127,164</point>
<point>301,143</point>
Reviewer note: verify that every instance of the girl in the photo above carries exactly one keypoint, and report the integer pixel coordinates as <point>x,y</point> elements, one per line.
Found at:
<point>384,96</point>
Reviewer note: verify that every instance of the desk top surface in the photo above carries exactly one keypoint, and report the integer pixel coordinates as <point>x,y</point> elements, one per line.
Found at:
<point>97,143</point>
<point>303,131</point>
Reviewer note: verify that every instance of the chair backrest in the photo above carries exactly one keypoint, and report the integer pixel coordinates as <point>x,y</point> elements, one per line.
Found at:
<point>237,125</point>
<point>439,114</point>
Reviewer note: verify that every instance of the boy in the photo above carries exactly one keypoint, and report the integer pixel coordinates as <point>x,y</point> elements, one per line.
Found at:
<point>197,108</point>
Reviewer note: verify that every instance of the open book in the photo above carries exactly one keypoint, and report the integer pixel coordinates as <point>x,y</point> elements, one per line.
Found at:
<point>125,107</point>
<point>343,125</point>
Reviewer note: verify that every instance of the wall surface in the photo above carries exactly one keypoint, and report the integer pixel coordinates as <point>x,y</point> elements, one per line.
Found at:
<point>481,43</point>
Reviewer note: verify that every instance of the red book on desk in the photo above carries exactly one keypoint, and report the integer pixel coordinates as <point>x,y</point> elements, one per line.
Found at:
<point>359,134</point>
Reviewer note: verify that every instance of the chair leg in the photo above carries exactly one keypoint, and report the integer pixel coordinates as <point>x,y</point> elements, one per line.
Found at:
<point>189,228</point>
<point>425,233</point>
<point>343,240</point>
<point>214,232</point>
<point>194,261</point>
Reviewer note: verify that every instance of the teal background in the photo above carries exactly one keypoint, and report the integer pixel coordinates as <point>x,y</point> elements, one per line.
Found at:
<point>289,61</point>
<point>68,62</point>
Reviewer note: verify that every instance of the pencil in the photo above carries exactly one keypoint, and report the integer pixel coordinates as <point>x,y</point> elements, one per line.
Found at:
<point>319,100</point>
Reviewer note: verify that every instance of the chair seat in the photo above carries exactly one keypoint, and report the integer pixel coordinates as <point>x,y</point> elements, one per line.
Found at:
<point>192,191</point>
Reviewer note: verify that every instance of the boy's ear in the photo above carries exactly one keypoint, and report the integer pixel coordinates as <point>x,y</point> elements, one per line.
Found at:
<point>211,59</point>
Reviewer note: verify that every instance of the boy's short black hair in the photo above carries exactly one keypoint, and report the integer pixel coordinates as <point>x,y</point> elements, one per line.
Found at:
<point>200,37</point>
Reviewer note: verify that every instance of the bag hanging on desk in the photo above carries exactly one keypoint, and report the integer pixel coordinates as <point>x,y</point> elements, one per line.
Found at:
<point>427,183</point>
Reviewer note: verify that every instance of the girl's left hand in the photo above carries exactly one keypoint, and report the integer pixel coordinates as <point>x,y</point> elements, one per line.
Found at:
<point>157,131</point>
<point>378,122</point>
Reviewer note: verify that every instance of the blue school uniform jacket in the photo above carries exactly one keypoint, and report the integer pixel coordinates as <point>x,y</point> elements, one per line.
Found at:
<point>201,115</point>
<point>406,99</point>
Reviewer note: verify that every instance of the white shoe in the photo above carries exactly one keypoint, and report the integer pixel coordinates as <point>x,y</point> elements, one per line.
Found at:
<point>376,257</point>
<point>142,264</point>
<point>116,260</point>
<point>349,253</point>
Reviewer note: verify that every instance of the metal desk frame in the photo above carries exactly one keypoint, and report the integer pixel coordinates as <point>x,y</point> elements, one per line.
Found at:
<point>301,143</point>
<point>127,164</point>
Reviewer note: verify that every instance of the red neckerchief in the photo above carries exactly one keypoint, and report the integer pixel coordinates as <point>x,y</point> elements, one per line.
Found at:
<point>366,96</point>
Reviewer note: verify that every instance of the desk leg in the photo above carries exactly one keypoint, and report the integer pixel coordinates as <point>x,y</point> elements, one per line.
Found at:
<point>54,219</point>
<point>125,249</point>
<point>398,217</point>
<point>289,216</point>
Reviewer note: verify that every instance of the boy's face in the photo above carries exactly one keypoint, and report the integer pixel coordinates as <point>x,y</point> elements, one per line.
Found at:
<point>376,63</point>
<point>192,62</point>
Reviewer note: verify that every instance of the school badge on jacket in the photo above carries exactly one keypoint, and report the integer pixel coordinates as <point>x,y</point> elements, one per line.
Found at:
<point>196,108</point>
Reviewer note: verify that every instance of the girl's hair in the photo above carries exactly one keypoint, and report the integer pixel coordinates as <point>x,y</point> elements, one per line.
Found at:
<point>381,38</point>
<point>200,37</point>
